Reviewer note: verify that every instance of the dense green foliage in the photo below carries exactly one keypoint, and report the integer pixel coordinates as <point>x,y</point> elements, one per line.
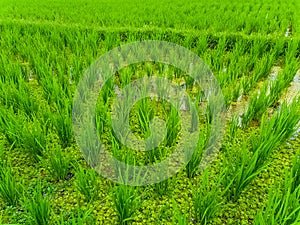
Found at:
<point>253,50</point>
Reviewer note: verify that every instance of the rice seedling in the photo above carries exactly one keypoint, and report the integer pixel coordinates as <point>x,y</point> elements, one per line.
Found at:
<point>202,44</point>
<point>38,206</point>
<point>233,127</point>
<point>214,106</point>
<point>126,202</point>
<point>162,188</point>
<point>195,117</point>
<point>195,157</point>
<point>258,104</point>
<point>125,76</point>
<point>282,207</point>
<point>218,55</point>
<point>189,81</point>
<point>145,114</point>
<point>101,118</point>
<point>91,145</point>
<point>107,90</point>
<point>207,199</point>
<point>59,164</point>
<point>87,184</point>
<point>2,149</point>
<point>10,126</point>
<point>78,217</point>
<point>261,101</point>
<point>281,126</point>
<point>173,127</point>
<point>295,171</point>
<point>263,69</point>
<point>155,154</point>
<point>62,122</point>
<point>20,131</point>
<point>19,97</point>
<point>34,138</point>
<point>239,171</point>
<point>246,167</point>
<point>236,93</point>
<point>52,90</point>
<point>10,189</point>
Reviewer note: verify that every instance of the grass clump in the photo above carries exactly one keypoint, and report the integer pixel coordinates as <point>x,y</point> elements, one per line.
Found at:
<point>59,164</point>
<point>87,184</point>
<point>38,207</point>
<point>10,189</point>
<point>283,206</point>
<point>207,199</point>
<point>126,202</point>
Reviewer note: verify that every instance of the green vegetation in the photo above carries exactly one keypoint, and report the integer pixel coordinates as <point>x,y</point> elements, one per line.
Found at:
<point>38,207</point>
<point>253,50</point>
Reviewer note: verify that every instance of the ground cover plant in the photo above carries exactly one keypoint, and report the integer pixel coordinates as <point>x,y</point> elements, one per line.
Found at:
<point>253,51</point>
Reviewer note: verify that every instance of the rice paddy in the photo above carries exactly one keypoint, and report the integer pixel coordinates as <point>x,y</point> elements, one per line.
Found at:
<point>252,50</point>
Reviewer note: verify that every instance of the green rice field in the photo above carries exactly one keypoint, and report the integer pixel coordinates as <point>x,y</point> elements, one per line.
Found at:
<point>252,48</point>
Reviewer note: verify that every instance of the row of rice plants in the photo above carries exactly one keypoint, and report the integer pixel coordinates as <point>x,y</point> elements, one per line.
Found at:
<point>31,135</point>
<point>283,205</point>
<point>241,170</point>
<point>268,17</point>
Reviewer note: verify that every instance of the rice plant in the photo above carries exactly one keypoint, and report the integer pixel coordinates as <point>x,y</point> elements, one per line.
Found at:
<point>281,126</point>
<point>2,149</point>
<point>19,97</point>
<point>282,207</point>
<point>102,120</point>
<point>78,217</point>
<point>162,188</point>
<point>107,90</point>
<point>207,199</point>
<point>154,155</point>
<point>126,201</point>
<point>34,138</point>
<point>43,56</point>
<point>89,142</point>
<point>258,104</point>
<point>242,170</point>
<point>59,164</point>
<point>195,117</point>
<point>195,158</point>
<point>173,127</point>
<point>239,171</point>
<point>10,189</point>
<point>21,131</point>
<point>145,114</point>
<point>233,127</point>
<point>62,122</point>
<point>236,92</point>
<point>295,173</point>
<point>263,68</point>
<point>10,126</point>
<point>87,184</point>
<point>38,206</point>
<point>125,76</point>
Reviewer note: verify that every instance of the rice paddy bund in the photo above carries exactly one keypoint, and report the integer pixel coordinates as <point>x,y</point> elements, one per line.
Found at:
<point>252,49</point>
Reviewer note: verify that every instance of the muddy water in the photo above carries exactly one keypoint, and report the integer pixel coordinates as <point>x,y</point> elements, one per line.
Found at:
<point>293,91</point>
<point>241,106</point>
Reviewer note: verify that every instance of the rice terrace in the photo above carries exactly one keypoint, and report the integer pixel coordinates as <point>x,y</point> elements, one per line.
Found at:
<point>150,112</point>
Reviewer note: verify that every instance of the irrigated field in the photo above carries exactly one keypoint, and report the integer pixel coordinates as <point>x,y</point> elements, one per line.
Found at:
<point>251,47</point>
